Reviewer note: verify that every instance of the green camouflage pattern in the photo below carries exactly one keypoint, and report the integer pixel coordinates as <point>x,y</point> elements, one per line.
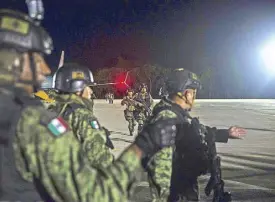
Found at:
<point>93,140</point>
<point>51,93</point>
<point>160,167</point>
<point>57,163</point>
<point>131,105</point>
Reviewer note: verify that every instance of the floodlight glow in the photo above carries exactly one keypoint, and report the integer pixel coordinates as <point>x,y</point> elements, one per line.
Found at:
<point>268,55</point>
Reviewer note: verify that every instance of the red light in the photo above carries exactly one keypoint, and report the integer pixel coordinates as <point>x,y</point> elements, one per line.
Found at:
<point>123,82</point>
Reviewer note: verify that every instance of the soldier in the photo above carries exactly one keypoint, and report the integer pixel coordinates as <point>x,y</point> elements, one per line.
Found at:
<point>22,44</point>
<point>74,104</point>
<point>111,98</point>
<point>45,151</point>
<point>182,86</point>
<point>129,111</point>
<point>143,97</point>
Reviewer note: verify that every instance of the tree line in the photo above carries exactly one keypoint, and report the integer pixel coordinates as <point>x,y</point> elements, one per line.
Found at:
<point>215,83</point>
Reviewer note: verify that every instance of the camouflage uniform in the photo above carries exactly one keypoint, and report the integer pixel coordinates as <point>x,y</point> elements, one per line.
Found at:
<point>51,93</point>
<point>52,160</point>
<point>81,121</point>
<point>160,167</point>
<point>12,186</point>
<point>111,98</point>
<point>129,112</point>
<point>141,113</point>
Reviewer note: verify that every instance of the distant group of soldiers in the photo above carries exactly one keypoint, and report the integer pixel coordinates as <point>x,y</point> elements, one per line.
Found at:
<point>138,107</point>
<point>110,98</point>
<point>60,152</point>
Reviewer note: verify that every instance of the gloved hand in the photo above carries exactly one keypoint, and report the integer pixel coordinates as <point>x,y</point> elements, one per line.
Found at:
<point>157,135</point>
<point>109,142</point>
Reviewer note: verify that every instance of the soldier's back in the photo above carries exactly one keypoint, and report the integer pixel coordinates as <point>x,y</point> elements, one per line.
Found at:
<point>13,187</point>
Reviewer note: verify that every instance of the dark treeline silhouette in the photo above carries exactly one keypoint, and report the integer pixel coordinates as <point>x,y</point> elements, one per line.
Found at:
<point>215,84</point>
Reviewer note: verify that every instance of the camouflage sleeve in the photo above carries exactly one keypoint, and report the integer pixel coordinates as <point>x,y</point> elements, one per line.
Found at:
<point>91,136</point>
<point>55,162</point>
<point>162,161</point>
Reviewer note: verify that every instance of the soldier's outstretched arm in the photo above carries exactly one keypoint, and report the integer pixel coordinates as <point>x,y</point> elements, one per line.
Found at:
<point>46,151</point>
<point>92,136</point>
<point>222,135</point>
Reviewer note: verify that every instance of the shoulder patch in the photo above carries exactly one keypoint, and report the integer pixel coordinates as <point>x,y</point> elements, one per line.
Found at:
<point>95,124</point>
<point>58,126</point>
<point>54,123</point>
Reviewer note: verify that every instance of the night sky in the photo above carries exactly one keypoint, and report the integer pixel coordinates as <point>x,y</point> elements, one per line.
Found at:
<point>221,34</point>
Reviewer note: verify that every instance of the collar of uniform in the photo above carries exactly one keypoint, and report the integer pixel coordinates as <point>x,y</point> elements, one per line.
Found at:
<point>172,103</point>
<point>70,98</point>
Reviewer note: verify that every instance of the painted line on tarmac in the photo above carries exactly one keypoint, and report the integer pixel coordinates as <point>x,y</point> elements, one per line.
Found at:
<point>229,184</point>
<point>242,185</point>
<point>248,163</point>
<point>252,156</point>
<point>241,167</point>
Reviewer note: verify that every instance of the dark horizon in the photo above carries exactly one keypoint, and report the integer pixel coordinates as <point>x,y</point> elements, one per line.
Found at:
<point>223,35</point>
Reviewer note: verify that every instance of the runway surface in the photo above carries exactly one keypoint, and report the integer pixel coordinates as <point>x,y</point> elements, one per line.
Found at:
<point>248,165</point>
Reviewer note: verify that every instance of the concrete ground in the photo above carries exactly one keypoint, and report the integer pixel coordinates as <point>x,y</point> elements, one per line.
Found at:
<point>248,165</point>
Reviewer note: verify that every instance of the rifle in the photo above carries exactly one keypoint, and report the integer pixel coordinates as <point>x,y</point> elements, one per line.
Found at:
<point>109,142</point>
<point>147,109</point>
<point>215,182</point>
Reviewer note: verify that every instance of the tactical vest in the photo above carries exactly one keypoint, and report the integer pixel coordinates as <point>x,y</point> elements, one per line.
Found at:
<point>13,186</point>
<point>191,148</point>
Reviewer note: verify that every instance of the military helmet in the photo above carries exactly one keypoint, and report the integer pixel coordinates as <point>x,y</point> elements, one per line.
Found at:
<point>71,78</point>
<point>18,31</point>
<point>181,79</point>
<point>143,85</point>
<point>130,90</point>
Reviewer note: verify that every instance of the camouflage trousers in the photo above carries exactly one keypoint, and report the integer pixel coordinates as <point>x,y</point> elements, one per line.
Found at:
<point>140,117</point>
<point>158,194</point>
<point>129,117</point>
<point>159,174</point>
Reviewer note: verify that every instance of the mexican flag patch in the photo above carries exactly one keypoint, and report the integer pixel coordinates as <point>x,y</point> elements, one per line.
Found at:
<point>94,124</point>
<point>58,126</point>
